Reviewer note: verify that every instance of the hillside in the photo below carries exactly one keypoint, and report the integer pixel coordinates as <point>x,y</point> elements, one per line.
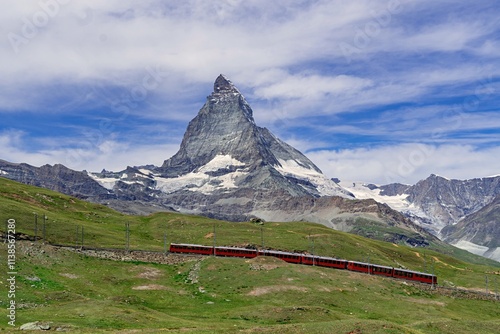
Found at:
<point>87,294</point>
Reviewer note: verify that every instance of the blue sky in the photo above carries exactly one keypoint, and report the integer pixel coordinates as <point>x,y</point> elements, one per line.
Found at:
<point>375,91</point>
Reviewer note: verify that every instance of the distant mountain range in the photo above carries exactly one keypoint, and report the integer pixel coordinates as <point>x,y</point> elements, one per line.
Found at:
<point>464,213</point>
<point>229,168</point>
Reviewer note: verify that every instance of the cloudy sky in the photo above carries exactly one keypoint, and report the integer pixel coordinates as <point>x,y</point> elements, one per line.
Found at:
<point>376,91</point>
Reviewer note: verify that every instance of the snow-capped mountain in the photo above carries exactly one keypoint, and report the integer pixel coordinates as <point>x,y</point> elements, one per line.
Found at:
<point>222,151</point>
<point>447,208</point>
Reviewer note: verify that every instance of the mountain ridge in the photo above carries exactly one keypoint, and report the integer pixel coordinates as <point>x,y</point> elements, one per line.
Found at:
<point>444,206</point>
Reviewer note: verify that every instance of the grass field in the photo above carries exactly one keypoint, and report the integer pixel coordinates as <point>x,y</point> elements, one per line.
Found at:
<point>223,295</point>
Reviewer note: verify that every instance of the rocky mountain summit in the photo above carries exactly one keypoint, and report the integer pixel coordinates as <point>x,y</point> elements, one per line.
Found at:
<point>223,148</point>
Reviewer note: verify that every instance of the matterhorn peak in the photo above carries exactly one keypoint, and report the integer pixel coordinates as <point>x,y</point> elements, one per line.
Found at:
<point>224,150</point>
<point>224,85</point>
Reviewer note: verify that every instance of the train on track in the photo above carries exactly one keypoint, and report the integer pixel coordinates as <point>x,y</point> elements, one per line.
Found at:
<point>307,259</point>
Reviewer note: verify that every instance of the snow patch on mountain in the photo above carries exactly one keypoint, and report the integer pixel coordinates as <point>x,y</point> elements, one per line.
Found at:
<point>202,179</point>
<point>492,253</point>
<point>471,247</point>
<point>198,181</point>
<point>106,182</point>
<point>363,191</point>
<point>325,186</point>
<point>203,182</point>
<point>190,180</point>
<point>146,172</point>
<point>220,162</point>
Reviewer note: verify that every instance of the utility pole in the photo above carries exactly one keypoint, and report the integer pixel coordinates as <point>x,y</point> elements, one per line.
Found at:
<point>165,243</point>
<point>496,288</point>
<point>77,236</point>
<point>214,241</point>
<point>127,236</point>
<point>262,236</point>
<point>309,242</point>
<point>44,227</point>
<point>36,224</point>
<point>486,280</point>
<point>165,247</point>
<point>432,285</point>
<point>313,250</point>
<point>82,239</point>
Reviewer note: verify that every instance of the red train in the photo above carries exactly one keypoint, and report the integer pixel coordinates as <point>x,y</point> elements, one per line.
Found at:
<point>321,261</point>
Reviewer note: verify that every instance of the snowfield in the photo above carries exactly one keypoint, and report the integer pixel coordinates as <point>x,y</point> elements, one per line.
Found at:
<point>493,253</point>
<point>398,202</point>
<point>198,180</point>
<point>325,186</point>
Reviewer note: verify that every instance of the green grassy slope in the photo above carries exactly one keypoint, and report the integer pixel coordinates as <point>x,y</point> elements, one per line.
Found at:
<point>227,295</point>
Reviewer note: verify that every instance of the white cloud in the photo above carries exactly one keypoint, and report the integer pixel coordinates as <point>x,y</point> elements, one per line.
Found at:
<point>193,41</point>
<point>408,163</point>
<point>108,154</point>
<point>312,86</point>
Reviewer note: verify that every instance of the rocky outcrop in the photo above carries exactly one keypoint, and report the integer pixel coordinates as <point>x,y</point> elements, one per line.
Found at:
<point>478,232</point>
<point>58,178</point>
<point>450,200</point>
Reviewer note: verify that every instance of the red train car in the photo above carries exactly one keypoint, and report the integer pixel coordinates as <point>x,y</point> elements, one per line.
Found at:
<point>285,256</point>
<point>381,270</point>
<point>235,252</point>
<point>309,260</point>
<point>322,261</point>
<point>359,266</point>
<point>414,276</point>
<point>191,249</point>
